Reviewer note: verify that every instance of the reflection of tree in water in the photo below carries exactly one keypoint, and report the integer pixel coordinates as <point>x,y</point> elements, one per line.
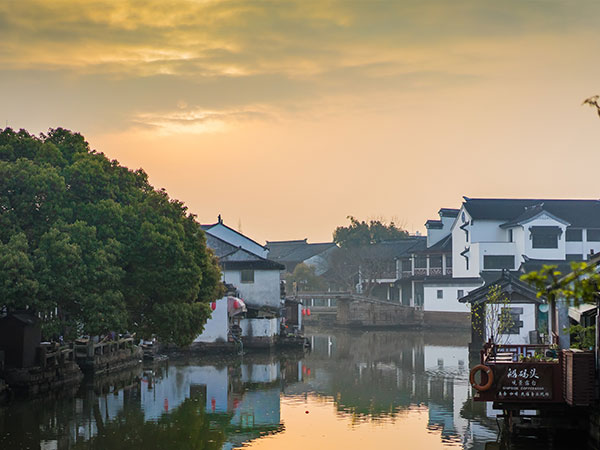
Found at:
<point>186,428</point>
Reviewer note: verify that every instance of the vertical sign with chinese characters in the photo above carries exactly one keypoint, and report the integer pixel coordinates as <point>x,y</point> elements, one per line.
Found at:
<point>519,382</point>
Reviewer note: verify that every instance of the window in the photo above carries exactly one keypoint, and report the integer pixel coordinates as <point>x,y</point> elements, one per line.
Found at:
<point>545,237</point>
<point>593,235</point>
<point>448,261</point>
<point>247,276</point>
<point>435,261</point>
<point>406,265</point>
<point>440,293</point>
<point>498,262</point>
<point>460,293</point>
<point>510,320</point>
<point>574,257</point>
<point>510,235</point>
<point>574,235</point>
<point>421,262</point>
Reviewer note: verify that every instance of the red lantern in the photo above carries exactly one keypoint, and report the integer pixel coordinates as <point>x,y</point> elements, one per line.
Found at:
<point>166,404</point>
<point>213,305</point>
<point>303,311</point>
<point>308,312</point>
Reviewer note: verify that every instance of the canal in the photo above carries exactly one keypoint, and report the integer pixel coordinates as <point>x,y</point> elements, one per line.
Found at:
<point>354,390</point>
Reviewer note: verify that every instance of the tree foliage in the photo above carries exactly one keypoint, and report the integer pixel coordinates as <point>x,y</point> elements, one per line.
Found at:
<point>578,287</point>
<point>362,233</point>
<point>304,278</point>
<point>91,246</point>
<point>492,319</point>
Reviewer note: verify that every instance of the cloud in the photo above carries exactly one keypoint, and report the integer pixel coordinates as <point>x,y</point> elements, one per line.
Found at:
<point>133,59</point>
<point>196,121</point>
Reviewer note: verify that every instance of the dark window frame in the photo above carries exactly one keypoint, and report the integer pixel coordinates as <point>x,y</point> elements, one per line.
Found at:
<point>574,235</point>
<point>595,232</point>
<point>440,294</point>
<point>245,276</point>
<point>492,262</point>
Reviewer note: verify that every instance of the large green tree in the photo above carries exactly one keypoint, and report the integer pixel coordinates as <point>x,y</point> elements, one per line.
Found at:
<point>91,246</point>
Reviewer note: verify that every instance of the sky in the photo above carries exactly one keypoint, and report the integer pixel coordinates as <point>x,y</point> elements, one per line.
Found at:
<point>286,117</point>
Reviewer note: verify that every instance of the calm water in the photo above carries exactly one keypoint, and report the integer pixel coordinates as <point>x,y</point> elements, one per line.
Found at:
<point>353,391</point>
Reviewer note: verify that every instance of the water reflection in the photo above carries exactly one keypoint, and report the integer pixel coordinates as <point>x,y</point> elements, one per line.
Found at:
<point>410,381</point>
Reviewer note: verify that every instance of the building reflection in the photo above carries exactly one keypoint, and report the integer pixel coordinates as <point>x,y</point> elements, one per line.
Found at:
<point>228,402</point>
<point>375,375</point>
<point>232,401</point>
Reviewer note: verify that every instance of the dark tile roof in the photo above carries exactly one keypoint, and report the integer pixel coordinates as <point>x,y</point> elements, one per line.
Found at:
<point>396,249</point>
<point>296,251</point>
<point>444,245</point>
<point>219,246</point>
<point>278,249</point>
<point>434,224</point>
<point>510,284</point>
<point>579,213</point>
<point>530,212</point>
<point>243,259</point>
<point>207,228</point>
<point>449,212</point>
<point>531,265</point>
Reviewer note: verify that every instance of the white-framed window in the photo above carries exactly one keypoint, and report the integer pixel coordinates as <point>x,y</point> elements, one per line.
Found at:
<point>460,293</point>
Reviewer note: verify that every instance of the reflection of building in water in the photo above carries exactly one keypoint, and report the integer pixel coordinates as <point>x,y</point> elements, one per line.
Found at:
<point>378,375</point>
<point>239,401</point>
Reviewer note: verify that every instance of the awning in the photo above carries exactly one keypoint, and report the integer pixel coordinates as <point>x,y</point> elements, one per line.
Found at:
<point>575,312</point>
<point>235,306</point>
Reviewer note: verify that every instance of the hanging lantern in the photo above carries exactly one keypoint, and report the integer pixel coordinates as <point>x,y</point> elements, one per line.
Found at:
<point>308,312</point>
<point>213,305</point>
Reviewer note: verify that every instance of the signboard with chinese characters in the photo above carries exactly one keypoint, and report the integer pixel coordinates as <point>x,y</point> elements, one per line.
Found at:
<point>519,382</point>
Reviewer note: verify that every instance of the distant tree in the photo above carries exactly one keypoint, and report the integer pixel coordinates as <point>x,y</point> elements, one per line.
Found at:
<point>363,233</point>
<point>358,264</point>
<point>92,247</point>
<point>304,278</point>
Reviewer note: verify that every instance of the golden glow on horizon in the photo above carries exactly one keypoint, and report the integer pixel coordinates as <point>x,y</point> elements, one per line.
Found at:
<point>277,113</point>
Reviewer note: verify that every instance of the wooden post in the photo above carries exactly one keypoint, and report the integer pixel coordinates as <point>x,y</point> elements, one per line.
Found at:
<point>553,317</point>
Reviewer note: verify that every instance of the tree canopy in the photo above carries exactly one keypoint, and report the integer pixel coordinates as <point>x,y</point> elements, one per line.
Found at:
<point>92,247</point>
<point>361,233</point>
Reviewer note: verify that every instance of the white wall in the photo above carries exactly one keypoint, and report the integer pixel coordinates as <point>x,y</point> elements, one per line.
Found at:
<point>260,373</point>
<point>481,249</point>
<point>449,302</point>
<point>528,319</point>
<point>544,253</point>
<point>238,240</point>
<point>459,243</point>
<point>217,325</point>
<point>264,291</point>
<point>260,327</point>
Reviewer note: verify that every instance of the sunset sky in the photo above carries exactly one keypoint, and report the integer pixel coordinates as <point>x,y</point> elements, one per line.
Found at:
<point>288,116</point>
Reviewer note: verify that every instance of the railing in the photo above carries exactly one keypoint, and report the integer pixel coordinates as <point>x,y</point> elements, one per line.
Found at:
<point>499,353</point>
<point>50,355</point>
<point>85,348</point>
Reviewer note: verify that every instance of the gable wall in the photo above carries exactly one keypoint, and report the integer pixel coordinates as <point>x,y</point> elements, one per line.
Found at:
<point>237,240</point>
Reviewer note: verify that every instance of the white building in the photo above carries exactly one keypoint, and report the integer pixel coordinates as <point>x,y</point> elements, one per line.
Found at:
<point>492,236</point>
<point>256,281</point>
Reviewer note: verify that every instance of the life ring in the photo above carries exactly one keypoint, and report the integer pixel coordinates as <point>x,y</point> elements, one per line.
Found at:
<point>490,377</point>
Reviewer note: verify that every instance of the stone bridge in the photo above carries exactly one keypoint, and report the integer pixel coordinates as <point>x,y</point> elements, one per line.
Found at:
<point>354,310</point>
